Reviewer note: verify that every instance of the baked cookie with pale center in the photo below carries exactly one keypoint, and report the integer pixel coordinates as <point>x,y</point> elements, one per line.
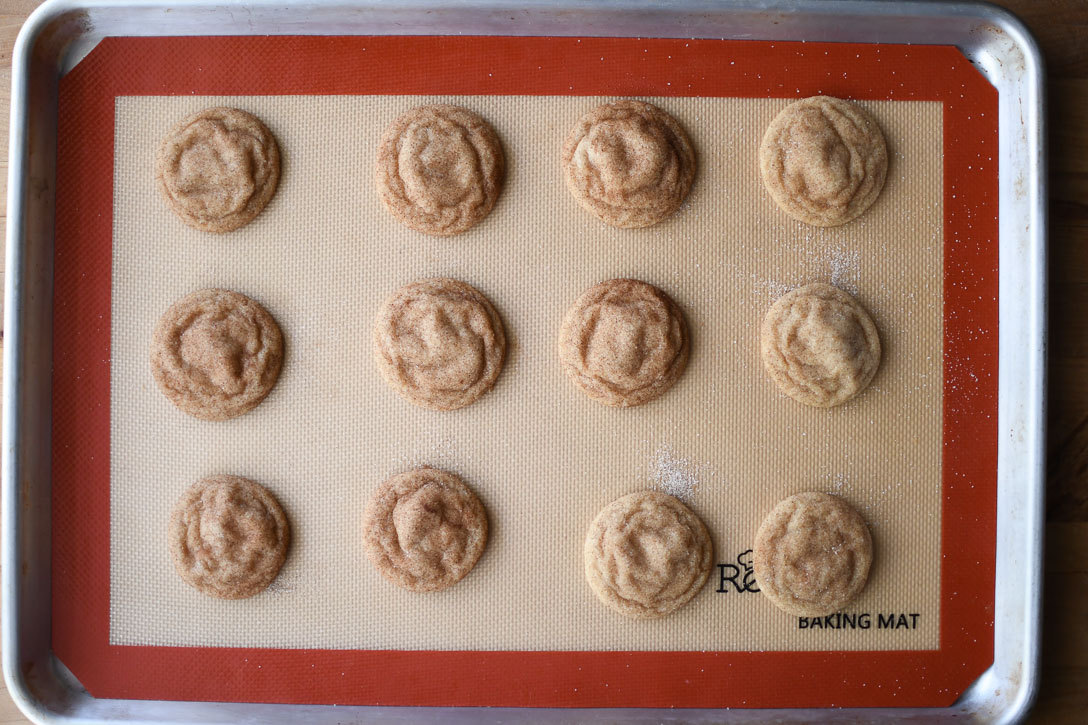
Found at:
<point>819,345</point>
<point>812,554</point>
<point>216,354</point>
<point>217,169</point>
<point>823,160</point>
<point>439,343</point>
<point>424,530</point>
<point>647,554</point>
<point>440,169</point>
<point>624,342</point>
<point>629,163</point>
<point>228,537</point>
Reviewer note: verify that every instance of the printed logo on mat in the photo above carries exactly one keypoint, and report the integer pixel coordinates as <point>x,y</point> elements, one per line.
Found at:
<point>740,576</point>
<point>861,620</point>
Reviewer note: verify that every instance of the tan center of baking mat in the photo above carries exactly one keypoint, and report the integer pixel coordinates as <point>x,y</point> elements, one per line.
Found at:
<point>542,456</point>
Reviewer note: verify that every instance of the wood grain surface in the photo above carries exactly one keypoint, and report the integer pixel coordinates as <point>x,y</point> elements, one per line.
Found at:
<point>1061,27</point>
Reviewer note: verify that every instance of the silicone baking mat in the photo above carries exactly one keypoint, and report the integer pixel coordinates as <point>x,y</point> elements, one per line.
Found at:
<point>543,458</point>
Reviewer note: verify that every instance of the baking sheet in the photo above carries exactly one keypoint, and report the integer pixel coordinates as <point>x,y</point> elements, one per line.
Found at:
<point>543,457</point>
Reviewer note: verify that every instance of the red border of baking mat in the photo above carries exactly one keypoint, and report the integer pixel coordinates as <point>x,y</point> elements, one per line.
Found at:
<point>520,66</point>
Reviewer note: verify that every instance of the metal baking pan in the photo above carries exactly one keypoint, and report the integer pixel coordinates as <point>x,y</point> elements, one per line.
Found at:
<point>61,32</point>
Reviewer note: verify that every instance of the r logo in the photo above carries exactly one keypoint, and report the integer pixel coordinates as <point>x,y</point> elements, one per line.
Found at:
<point>741,575</point>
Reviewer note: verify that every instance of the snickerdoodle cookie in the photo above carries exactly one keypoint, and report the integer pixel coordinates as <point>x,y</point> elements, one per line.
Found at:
<point>439,343</point>
<point>812,554</point>
<point>647,554</point>
<point>218,168</point>
<point>228,537</point>
<point>629,163</point>
<point>819,345</point>
<point>624,342</point>
<point>823,160</point>
<point>216,354</point>
<point>424,530</point>
<point>440,169</point>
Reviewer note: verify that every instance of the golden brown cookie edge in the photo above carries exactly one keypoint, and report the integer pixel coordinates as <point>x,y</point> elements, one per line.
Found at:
<point>779,195</point>
<point>399,208</point>
<point>177,530</point>
<point>769,352</point>
<point>629,219</point>
<point>375,552</point>
<point>386,368</point>
<point>254,208</point>
<point>787,603</point>
<point>604,396</point>
<point>623,606</point>
<point>185,403</point>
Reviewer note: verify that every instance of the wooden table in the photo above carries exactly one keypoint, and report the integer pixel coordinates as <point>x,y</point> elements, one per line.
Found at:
<point>1061,26</point>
